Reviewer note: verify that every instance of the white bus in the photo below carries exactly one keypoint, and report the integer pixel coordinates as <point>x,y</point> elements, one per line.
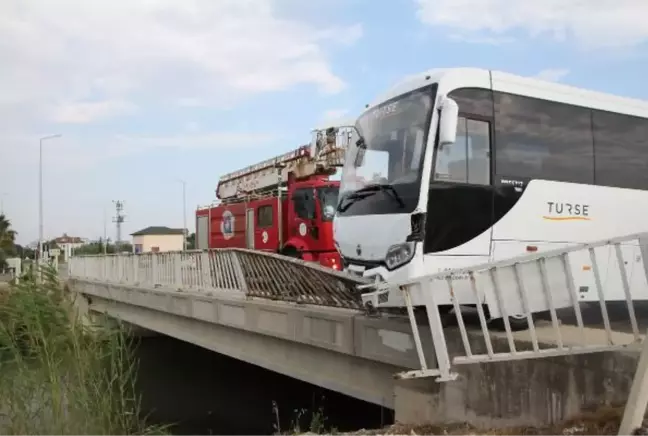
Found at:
<point>461,166</point>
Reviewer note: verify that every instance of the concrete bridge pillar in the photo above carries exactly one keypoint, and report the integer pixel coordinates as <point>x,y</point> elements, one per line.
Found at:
<point>534,392</point>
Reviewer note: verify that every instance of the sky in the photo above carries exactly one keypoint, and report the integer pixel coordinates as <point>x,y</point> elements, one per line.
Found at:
<point>146,93</point>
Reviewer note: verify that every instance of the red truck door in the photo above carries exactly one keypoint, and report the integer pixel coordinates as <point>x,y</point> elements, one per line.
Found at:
<point>303,225</point>
<point>266,232</point>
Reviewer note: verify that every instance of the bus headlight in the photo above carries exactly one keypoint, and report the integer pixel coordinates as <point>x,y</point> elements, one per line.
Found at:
<point>399,254</point>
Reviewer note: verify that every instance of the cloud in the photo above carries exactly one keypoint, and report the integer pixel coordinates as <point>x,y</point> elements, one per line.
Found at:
<point>552,74</point>
<point>75,151</point>
<point>86,112</point>
<point>591,23</point>
<point>334,114</point>
<point>75,61</point>
<point>480,39</point>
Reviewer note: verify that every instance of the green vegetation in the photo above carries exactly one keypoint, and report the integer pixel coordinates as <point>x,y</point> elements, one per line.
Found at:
<point>191,241</point>
<point>8,246</point>
<point>7,241</point>
<point>312,422</point>
<point>58,375</point>
<point>98,248</point>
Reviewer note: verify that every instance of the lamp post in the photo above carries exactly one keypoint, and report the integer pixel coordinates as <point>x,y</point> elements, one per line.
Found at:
<point>40,196</point>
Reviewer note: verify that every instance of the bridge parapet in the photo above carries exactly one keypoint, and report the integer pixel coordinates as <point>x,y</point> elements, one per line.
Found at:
<point>255,273</point>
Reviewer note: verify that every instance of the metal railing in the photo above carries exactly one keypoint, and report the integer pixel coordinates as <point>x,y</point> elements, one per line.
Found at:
<point>538,287</point>
<point>255,273</point>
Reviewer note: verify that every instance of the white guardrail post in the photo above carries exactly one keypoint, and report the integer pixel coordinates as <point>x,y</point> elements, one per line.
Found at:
<point>205,269</point>
<point>154,270</point>
<point>637,402</point>
<point>177,269</point>
<point>135,266</point>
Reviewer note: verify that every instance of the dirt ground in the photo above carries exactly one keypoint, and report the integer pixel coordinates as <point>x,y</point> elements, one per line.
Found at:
<point>603,421</point>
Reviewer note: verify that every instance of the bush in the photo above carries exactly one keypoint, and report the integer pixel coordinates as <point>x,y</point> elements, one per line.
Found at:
<point>58,375</point>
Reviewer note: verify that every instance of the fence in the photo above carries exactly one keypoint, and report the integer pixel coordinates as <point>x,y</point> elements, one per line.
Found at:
<point>256,273</point>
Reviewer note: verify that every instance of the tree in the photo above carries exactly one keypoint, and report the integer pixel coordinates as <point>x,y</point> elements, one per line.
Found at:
<point>98,248</point>
<point>7,240</point>
<point>90,248</point>
<point>191,241</point>
<point>25,252</point>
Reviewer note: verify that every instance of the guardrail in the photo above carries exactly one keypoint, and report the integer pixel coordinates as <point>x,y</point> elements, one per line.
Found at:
<point>526,286</point>
<point>255,273</point>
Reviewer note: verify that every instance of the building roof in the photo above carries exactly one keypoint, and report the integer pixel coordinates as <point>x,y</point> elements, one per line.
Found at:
<point>65,239</point>
<point>158,230</point>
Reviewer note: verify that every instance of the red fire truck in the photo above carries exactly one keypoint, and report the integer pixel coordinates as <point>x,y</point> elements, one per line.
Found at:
<point>284,205</point>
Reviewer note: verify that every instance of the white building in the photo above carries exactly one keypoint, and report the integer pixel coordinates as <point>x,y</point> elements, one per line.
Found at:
<point>157,238</point>
<point>67,244</point>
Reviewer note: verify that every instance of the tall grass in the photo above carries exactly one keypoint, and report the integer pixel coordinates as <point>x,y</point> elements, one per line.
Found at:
<point>57,374</point>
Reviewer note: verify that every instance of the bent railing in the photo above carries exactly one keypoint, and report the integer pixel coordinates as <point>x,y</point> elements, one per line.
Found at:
<point>256,273</point>
<point>538,287</point>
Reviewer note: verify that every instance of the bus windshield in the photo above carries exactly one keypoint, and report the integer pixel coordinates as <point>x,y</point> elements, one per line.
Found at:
<point>389,154</point>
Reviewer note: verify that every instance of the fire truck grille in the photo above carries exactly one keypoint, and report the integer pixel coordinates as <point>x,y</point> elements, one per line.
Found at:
<point>272,276</point>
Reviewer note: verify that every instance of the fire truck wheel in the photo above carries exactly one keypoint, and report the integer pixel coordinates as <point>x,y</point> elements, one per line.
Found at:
<point>291,252</point>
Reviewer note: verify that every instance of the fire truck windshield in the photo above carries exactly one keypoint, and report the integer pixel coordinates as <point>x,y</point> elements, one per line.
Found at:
<point>389,154</point>
<point>328,198</point>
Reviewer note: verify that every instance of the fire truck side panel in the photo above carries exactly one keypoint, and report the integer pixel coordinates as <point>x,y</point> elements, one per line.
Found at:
<point>227,227</point>
<point>202,231</point>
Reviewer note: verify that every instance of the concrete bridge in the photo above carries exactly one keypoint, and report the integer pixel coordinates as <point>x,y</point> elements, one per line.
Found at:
<point>305,322</point>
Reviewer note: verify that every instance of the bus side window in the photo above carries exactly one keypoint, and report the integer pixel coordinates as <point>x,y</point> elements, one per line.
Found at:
<point>621,149</point>
<point>543,139</point>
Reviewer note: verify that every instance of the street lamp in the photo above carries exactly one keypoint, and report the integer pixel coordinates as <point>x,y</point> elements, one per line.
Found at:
<point>184,214</point>
<point>40,196</point>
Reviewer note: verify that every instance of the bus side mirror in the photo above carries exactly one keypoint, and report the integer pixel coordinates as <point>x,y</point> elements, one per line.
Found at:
<point>448,120</point>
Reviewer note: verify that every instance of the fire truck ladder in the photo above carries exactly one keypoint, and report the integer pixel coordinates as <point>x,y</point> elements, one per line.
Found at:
<point>321,157</point>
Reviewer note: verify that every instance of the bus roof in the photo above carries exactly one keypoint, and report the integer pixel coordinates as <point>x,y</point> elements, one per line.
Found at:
<point>520,85</point>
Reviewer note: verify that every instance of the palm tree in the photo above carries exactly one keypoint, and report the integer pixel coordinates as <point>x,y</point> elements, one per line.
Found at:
<point>7,240</point>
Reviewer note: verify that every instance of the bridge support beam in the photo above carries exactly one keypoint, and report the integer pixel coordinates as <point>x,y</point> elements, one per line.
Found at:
<point>92,318</point>
<point>360,378</point>
<point>344,351</point>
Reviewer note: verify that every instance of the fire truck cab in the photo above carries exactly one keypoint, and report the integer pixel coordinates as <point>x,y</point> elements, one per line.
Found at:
<point>284,205</point>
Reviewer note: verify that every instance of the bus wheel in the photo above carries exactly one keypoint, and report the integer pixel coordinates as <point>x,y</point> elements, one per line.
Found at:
<point>517,322</point>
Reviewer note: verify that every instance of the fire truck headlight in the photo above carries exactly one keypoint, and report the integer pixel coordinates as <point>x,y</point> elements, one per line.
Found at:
<point>399,254</point>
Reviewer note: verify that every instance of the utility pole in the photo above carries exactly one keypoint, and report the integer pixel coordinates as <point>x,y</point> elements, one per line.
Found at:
<point>40,196</point>
<point>105,242</point>
<point>118,219</point>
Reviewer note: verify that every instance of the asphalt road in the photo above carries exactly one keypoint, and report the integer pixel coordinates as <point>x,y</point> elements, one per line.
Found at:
<point>617,313</point>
